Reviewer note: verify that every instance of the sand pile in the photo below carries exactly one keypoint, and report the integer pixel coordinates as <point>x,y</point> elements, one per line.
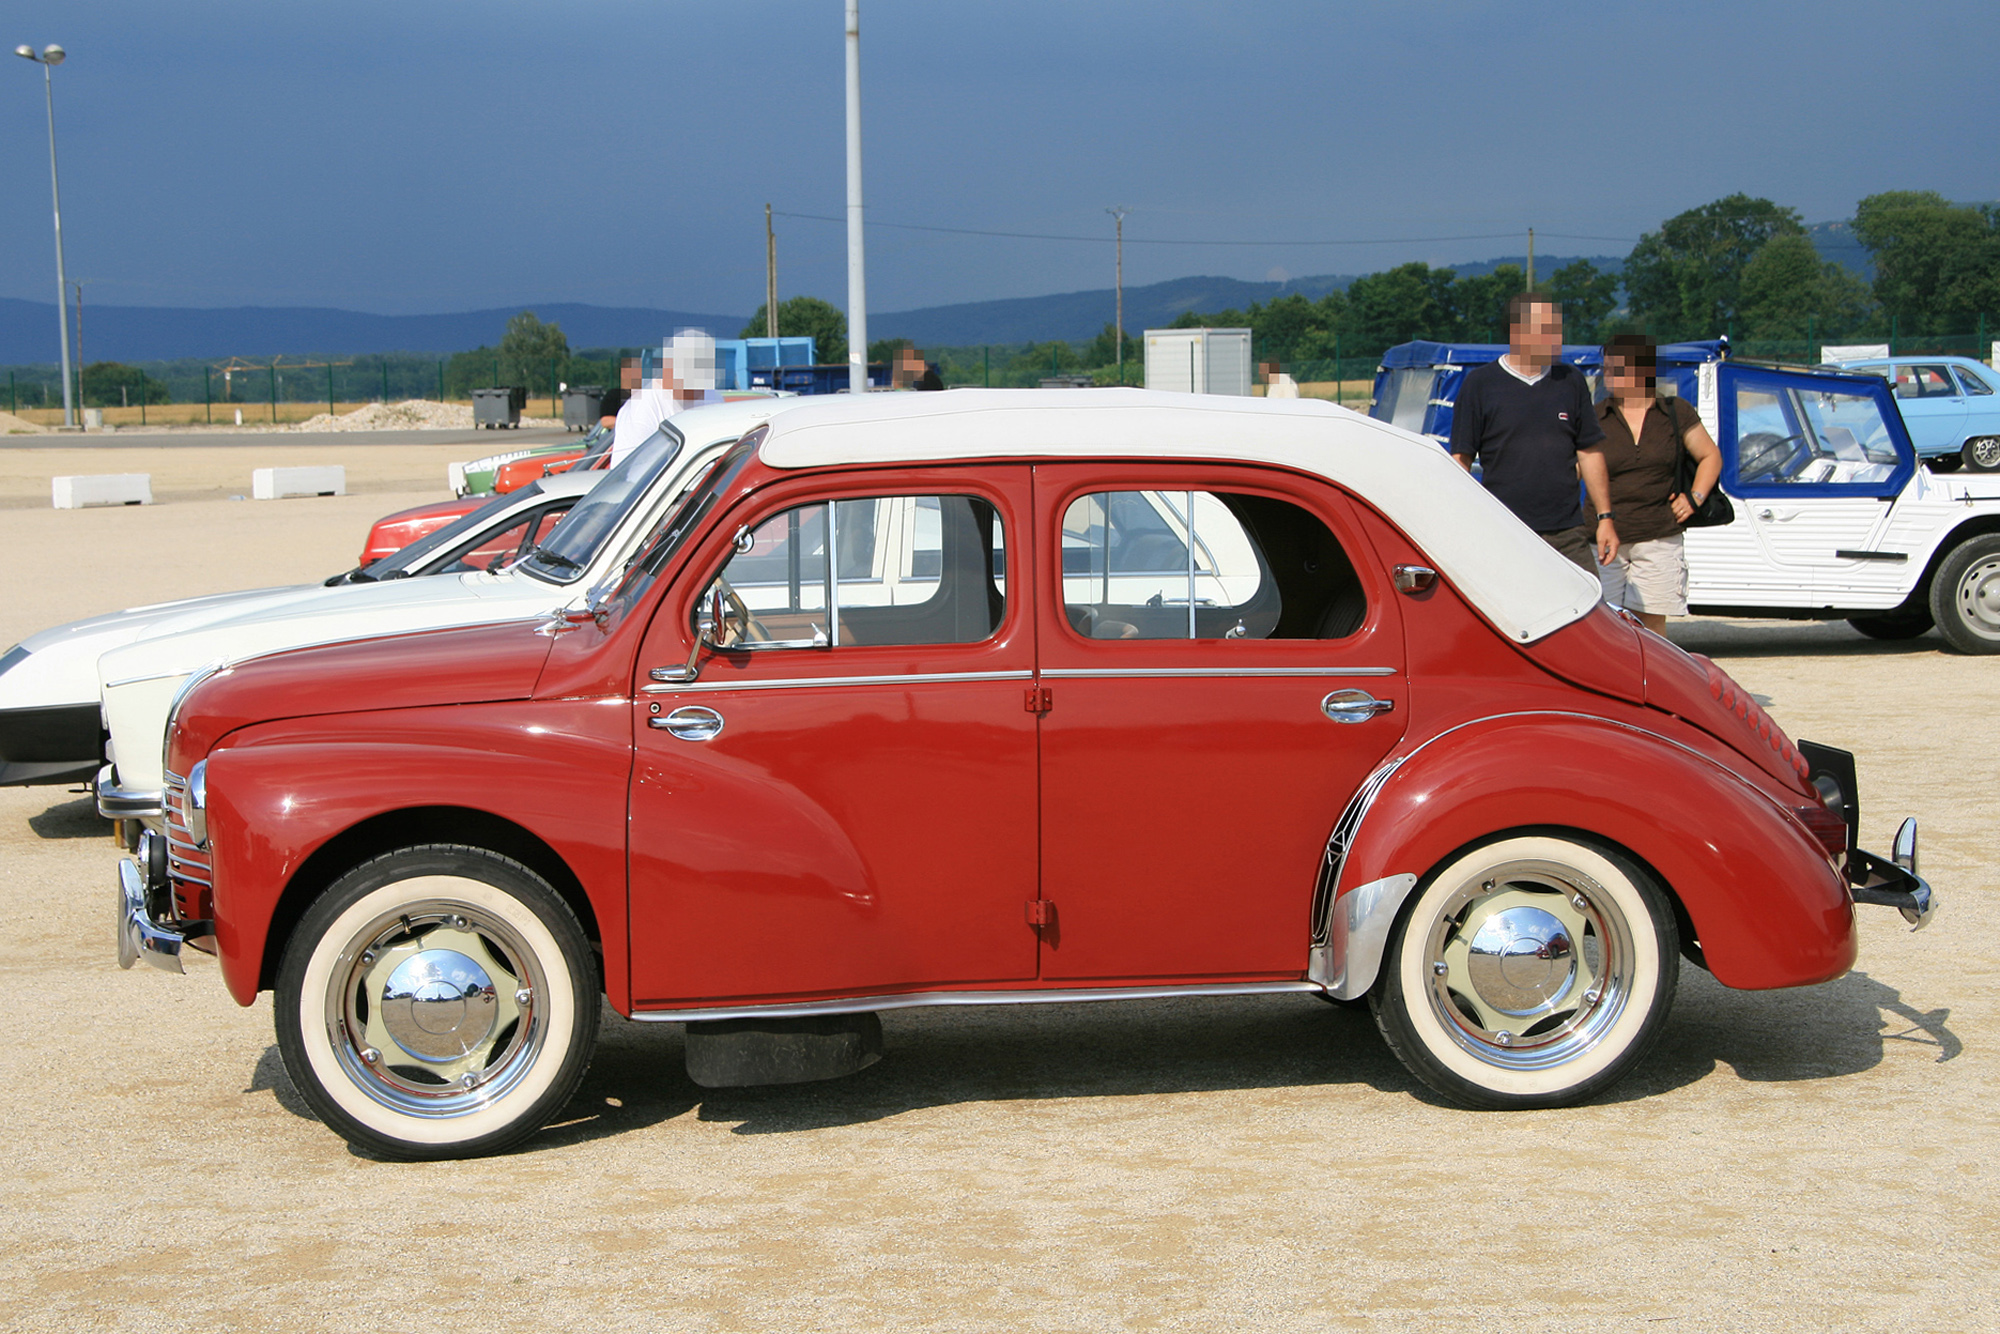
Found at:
<point>12,425</point>
<point>412,414</point>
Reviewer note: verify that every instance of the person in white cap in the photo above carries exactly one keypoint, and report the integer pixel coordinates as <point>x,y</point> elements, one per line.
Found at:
<point>686,378</point>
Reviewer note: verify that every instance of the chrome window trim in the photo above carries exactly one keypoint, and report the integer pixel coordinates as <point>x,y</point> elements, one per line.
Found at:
<point>910,999</point>
<point>806,682</point>
<point>1087,673</point>
<point>1351,958</point>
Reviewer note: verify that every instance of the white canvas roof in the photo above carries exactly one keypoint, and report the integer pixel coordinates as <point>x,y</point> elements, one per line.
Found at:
<point>1515,579</point>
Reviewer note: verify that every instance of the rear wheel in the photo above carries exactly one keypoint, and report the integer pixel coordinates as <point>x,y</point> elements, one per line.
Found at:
<point>1982,453</point>
<point>1965,595</point>
<point>437,1002</point>
<point>1531,972</point>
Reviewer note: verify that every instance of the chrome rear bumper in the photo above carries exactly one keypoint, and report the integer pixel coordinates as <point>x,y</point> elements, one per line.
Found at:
<point>1893,882</point>
<point>142,883</point>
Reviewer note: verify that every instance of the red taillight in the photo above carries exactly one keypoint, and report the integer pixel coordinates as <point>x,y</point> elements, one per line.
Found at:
<point>1826,827</point>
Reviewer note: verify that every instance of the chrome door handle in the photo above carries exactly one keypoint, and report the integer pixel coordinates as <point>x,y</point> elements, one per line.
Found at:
<point>1354,706</point>
<point>690,723</point>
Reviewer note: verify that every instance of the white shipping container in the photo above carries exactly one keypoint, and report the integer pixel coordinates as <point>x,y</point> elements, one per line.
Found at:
<point>1199,361</point>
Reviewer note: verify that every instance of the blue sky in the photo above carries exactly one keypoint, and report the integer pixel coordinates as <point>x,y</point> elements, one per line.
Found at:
<point>422,156</point>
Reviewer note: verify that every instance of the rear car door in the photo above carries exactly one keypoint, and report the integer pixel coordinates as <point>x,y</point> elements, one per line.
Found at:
<point>843,802</point>
<point>1223,667</point>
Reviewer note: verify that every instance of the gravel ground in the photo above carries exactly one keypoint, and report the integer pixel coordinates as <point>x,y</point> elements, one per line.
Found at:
<point>1818,1158</point>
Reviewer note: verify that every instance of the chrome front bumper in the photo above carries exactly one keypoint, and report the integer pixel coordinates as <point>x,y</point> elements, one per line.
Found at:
<point>1893,882</point>
<point>119,803</point>
<point>145,928</point>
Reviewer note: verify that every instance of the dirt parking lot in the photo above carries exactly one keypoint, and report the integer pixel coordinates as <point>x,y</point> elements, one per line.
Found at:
<point>1816,1159</point>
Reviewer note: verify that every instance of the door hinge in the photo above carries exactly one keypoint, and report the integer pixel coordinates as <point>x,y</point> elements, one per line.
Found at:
<point>1040,699</point>
<point>1041,912</point>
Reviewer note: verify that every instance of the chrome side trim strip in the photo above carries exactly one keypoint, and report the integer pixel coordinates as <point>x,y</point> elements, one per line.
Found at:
<point>1084,673</point>
<point>909,999</point>
<point>805,682</point>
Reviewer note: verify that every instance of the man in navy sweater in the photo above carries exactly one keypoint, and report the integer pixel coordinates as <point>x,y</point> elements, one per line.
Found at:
<point>1528,421</point>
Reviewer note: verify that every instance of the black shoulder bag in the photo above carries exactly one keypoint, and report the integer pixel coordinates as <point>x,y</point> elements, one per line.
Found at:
<point>1715,509</point>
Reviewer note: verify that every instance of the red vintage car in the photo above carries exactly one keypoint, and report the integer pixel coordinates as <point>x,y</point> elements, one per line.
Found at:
<point>995,697</point>
<point>392,532</point>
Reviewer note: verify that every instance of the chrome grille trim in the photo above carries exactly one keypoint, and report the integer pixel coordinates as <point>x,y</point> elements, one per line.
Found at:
<point>185,862</point>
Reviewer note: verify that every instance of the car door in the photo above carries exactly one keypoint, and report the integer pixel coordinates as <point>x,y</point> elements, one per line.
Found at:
<point>843,800</point>
<point>1933,406</point>
<point>1222,669</point>
<point>1982,405</point>
<point>1817,465</point>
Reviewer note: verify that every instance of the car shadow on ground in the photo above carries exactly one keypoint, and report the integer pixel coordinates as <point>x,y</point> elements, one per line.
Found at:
<point>948,1055</point>
<point>77,818</point>
<point>1723,640</point>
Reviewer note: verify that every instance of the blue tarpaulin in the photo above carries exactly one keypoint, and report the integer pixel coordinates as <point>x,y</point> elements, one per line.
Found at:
<point>1417,382</point>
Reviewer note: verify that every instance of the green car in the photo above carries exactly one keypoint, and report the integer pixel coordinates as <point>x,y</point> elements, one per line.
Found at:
<point>476,478</point>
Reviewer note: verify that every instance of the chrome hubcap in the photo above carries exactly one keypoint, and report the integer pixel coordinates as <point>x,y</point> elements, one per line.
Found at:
<point>431,1010</point>
<point>1986,451</point>
<point>1529,964</point>
<point>1979,598</point>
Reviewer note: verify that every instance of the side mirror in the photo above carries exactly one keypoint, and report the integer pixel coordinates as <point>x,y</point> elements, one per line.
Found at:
<point>707,639</point>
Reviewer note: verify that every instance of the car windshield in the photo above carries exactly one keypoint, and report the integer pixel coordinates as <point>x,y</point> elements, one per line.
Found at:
<point>397,563</point>
<point>576,540</point>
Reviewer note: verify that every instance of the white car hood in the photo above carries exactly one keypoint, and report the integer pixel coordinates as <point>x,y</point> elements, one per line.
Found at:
<point>61,663</point>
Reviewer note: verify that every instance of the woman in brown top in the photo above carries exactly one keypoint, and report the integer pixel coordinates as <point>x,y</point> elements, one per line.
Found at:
<point>1649,574</point>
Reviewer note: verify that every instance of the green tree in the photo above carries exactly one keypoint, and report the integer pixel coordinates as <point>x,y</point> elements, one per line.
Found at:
<point>1409,301</point>
<point>1587,295</point>
<point>1103,350</point>
<point>807,317</point>
<point>1937,264</point>
<point>532,354</point>
<point>1788,291</point>
<point>1685,280</point>
<point>1478,305</point>
<point>113,384</point>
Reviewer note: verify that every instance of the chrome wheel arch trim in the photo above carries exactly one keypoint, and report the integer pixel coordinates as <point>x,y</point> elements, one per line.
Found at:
<point>911,999</point>
<point>1350,931</point>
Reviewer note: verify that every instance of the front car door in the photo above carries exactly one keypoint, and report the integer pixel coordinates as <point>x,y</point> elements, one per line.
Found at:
<point>843,802</point>
<point>1223,667</point>
<point>1815,463</point>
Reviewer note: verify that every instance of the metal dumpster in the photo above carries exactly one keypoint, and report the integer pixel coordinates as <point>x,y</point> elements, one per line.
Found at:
<point>583,404</point>
<point>496,408</point>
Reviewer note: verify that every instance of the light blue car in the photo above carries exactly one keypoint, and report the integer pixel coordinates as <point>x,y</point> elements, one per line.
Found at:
<point>1951,405</point>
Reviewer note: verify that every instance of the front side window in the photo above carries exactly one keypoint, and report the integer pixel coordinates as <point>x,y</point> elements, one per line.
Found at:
<point>1203,565</point>
<point>1805,437</point>
<point>874,571</point>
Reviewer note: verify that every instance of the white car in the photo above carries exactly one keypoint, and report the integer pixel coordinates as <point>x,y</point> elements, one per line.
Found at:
<point>1835,520</point>
<point>50,729</point>
<point>140,682</point>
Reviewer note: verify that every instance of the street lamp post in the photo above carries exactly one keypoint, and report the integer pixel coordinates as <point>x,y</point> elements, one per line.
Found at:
<point>48,58</point>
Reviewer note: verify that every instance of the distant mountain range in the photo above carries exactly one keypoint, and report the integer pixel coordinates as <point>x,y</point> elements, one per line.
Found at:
<point>170,333</point>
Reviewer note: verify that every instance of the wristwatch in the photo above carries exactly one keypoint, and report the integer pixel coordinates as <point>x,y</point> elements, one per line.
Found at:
<point>1697,497</point>
<point>1607,514</point>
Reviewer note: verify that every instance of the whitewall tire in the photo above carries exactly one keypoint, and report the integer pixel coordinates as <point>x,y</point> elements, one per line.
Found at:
<point>1531,972</point>
<point>437,1002</point>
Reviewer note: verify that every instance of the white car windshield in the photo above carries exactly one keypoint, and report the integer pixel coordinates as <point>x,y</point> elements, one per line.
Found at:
<point>576,540</point>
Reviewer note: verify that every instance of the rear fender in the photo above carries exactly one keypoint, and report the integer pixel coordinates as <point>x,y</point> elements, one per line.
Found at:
<point>1766,905</point>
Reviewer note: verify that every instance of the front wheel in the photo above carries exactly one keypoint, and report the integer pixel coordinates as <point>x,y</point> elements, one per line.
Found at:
<point>1965,595</point>
<point>1531,972</point>
<point>1982,453</point>
<point>437,1002</point>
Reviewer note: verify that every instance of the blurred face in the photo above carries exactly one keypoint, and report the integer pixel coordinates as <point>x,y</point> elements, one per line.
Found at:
<point>1537,339</point>
<point>1624,379</point>
<point>628,374</point>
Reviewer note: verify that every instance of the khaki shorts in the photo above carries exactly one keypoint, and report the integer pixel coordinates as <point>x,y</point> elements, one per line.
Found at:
<point>1649,577</point>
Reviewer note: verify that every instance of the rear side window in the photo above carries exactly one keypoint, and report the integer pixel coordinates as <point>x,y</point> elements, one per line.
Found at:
<point>874,571</point>
<point>1973,381</point>
<point>1204,565</point>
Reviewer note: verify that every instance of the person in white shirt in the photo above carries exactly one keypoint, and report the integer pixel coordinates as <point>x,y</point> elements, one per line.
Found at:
<point>686,378</point>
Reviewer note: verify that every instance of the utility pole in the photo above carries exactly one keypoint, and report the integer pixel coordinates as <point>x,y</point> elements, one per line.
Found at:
<point>79,335</point>
<point>1531,259</point>
<point>770,277</point>
<point>857,269</point>
<point>1118,216</point>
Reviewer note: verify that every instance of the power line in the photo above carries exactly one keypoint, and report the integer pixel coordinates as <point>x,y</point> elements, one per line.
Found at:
<point>1137,240</point>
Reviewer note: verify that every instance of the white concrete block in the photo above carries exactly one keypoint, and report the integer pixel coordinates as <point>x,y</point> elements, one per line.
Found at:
<point>278,483</point>
<point>454,476</point>
<point>120,488</point>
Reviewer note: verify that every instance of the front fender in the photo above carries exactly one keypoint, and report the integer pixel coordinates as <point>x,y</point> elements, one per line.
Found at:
<point>1767,906</point>
<point>280,792</point>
